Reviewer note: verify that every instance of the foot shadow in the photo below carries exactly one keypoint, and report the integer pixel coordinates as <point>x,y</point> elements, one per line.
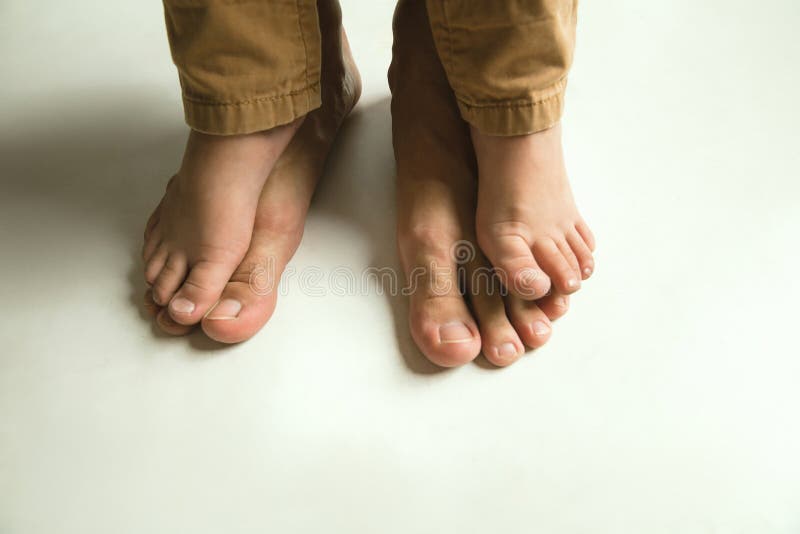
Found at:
<point>359,188</point>
<point>105,170</point>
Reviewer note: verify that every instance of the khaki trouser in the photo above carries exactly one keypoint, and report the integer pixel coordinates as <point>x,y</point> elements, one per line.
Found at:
<point>250,65</point>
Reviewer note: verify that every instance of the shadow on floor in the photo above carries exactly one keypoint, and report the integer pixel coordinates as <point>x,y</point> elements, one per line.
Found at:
<point>109,168</point>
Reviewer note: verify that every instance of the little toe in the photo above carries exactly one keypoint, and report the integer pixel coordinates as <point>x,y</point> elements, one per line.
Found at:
<point>530,322</point>
<point>154,265</point>
<point>586,234</point>
<point>555,265</point>
<point>516,266</point>
<point>170,278</point>
<point>199,291</point>
<point>582,253</point>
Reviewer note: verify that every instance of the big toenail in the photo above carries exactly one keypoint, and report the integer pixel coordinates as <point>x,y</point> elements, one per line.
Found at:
<point>540,328</point>
<point>225,310</point>
<point>454,333</point>
<point>526,281</point>
<point>182,305</point>
<point>507,350</point>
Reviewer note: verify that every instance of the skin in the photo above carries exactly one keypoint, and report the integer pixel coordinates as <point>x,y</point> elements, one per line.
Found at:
<point>438,192</point>
<point>527,222</point>
<point>245,300</point>
<point>455,188</point>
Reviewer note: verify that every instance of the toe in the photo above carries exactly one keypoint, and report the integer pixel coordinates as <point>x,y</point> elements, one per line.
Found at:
<point>199,291</point>
<point>556,266</point>
<point>515,265</point>
<point>168,326</point>
<point>530,322</point>
<point>151,244</point>
<point>583,254</point>
<point>170,278</point>
<point>565,249</point>
<point>247,302</point>
<point>154,265</point>
<point>555,305</point>
<point>149,305</point>
<point>440,322</point>
<point>500,343</point>
<point>586,234</point>
<point>444,330</point>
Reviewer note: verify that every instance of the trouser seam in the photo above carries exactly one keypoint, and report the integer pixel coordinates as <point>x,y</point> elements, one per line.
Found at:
<point>557,87</point>
<point>303,38</point>
<point>200,101</point>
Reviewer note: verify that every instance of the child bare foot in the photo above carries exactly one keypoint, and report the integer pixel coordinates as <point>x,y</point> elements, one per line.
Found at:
<point>248,297</point>
<point>527,222</point>
<point>451,318</point>
<point>201,229</point>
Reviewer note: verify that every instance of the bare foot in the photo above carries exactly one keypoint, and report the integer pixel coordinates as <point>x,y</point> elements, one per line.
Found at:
<point>456,306</point>
<point>527,221</point>
<point>201,229</point>
<point>247,299</point>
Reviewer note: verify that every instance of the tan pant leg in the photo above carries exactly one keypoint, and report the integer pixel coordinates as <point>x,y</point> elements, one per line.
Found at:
<point>507,60</point>
<point>245,65</point>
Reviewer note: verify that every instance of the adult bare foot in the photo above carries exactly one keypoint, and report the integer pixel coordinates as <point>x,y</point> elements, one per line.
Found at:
<point>527,221</point>
<point>456,306</point>
<point>247,299</point>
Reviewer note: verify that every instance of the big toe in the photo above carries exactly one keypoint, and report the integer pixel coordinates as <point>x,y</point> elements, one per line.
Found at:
<point>444,330</point>
<point>515,265</point>
<point>246,303</point>
<point>201,290</point>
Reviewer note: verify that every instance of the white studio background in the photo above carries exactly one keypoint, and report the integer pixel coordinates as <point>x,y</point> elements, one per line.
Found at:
<point>666,402</point>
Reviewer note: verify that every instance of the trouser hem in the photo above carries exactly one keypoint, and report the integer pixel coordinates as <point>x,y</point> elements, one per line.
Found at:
<point>540,111</point>
<point>230,118</point>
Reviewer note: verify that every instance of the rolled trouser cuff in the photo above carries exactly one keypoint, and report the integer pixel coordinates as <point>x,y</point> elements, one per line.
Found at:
<point>227,118</point>
<point>245,65</point>
<point>540,111</point>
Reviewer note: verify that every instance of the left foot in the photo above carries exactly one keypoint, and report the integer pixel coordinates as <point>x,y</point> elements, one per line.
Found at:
<point>527,222</point>
<point>248,299</point>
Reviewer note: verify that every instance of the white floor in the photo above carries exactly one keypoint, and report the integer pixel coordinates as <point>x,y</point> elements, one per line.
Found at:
<point>667,401</point>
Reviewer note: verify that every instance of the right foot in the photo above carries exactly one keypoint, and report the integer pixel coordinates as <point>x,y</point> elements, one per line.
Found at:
<point>451,319</point>
<point>200,231</point>
<point>248,299</point>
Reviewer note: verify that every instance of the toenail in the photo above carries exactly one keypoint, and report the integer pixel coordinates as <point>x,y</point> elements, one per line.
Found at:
<point>587,271</point>
<point>454,333</point>
<point>507,350</point>
<point>225,310</point>
<point>181,305</point>
<point>526,281</point>
<point>572,283</point>
<point>540,328</point>
<point>561,302</point>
